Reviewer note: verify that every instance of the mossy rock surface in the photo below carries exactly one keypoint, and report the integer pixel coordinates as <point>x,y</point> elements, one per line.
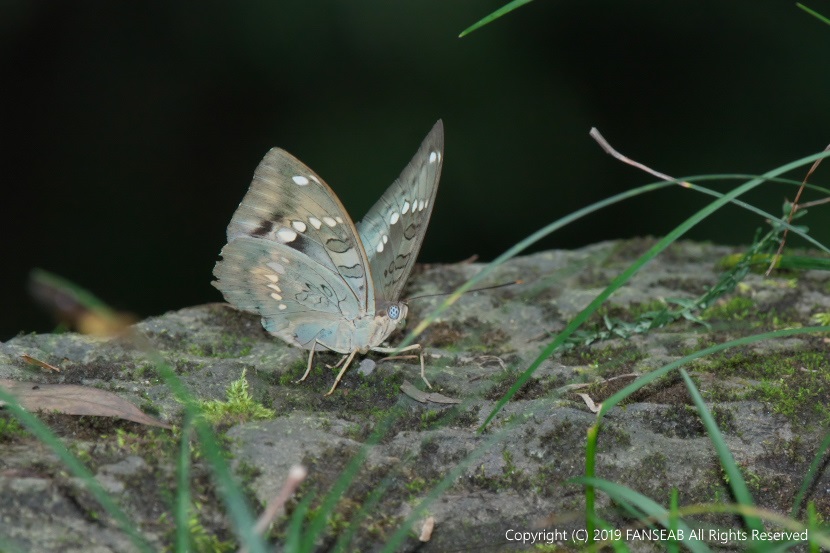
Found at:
<point>770,400</point>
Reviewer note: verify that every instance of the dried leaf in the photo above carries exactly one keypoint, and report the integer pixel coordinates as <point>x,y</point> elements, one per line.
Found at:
<point>426,530</point>
<point>590,403</point>
<point>423,397</point>
<point>37,362</point>
<point>70,399</point>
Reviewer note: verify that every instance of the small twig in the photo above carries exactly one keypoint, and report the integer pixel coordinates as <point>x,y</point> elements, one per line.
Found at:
<point>397,358</point>
<point>571,387</point>
<point>795,207</point>
<point>610,150</point>
<point>481,289</point>
<point>814,203</point>
<point>482,359</point>
<point>296,475</point>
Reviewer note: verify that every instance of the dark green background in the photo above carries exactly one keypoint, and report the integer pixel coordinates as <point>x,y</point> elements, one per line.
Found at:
<point>131,130</point>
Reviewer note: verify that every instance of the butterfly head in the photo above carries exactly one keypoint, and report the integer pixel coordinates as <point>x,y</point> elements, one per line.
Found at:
<point>395,312</point>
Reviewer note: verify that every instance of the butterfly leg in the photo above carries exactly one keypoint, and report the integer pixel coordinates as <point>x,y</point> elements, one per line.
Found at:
<point>409,348</point>
<point>310,357</point>
<point>338,363</point>
<point>342,372</point>
<point>423,376</point>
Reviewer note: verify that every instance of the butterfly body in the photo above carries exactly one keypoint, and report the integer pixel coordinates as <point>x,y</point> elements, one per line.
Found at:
<point>319,281</point>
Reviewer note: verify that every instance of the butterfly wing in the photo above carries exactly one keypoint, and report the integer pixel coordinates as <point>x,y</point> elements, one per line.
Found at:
<point>293,256</point>
<point>288,204</point>
<point>299,299</point>
<point>393,230</point>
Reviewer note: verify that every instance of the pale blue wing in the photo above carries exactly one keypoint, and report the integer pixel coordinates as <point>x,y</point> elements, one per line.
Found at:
<point>393,230</point>
<point>299,299</point>
<point>289,205</point>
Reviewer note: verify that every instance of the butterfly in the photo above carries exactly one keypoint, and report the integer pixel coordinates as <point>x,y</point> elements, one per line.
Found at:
<point>318,280</point>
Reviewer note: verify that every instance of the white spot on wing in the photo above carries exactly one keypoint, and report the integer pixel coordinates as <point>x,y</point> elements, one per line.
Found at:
<point>329,221</point>
<point>432,157</point>
<point>315,222</point>
<point>272,278</point>
<point>274,287</point>
<point>300,180</point>
<point>283,306</point>
<point>394,218</point>
<point>299,226</point>
<point>277,267</point>
<point>286,235</point>
<point>405,207</point>
<point>315,179</point>
<point>385,239</point>
<point>380,246</point>
<point>421,205</point>
<point>276,296</point>
<point>339,220</point>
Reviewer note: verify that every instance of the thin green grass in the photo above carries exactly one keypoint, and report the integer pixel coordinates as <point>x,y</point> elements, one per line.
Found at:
<point>575,216</point>
<point>183,498</point>
<point>229,491</point>
<point>811,12</point>
<point>672,518</point>
<point>811,475</point>
<point>317,526</point>
<point>504,10</point>
<point>635,267</point>
<point>515,4</point>
<point>646,509</point>
<point>734,475</point>
<point>727,461</point>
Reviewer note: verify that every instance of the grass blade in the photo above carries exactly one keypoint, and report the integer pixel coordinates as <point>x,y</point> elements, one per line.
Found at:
<point>623,277</point>
<point>813,13</point>
<point>236,506</point>
<point>651,508</point>
<point>564,221</point>
<point>727,461</point>
<point>507,8</point>
<point>182,506</point>
<point>317,526</point>
<point>813,472</point>
<point>612,401</point>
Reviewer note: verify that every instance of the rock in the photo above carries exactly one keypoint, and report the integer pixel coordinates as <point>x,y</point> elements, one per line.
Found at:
<point>513,476</point>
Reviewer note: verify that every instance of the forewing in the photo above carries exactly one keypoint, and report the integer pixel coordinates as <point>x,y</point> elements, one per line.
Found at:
<point>299,299</point>
<point>393,230</point>
<point>288,204</point>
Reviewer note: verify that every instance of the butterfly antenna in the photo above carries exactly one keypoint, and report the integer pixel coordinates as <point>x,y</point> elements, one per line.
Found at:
<point>502,285</point>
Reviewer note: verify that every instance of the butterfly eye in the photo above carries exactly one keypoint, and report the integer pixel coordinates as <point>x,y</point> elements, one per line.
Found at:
<point>394,312</point>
